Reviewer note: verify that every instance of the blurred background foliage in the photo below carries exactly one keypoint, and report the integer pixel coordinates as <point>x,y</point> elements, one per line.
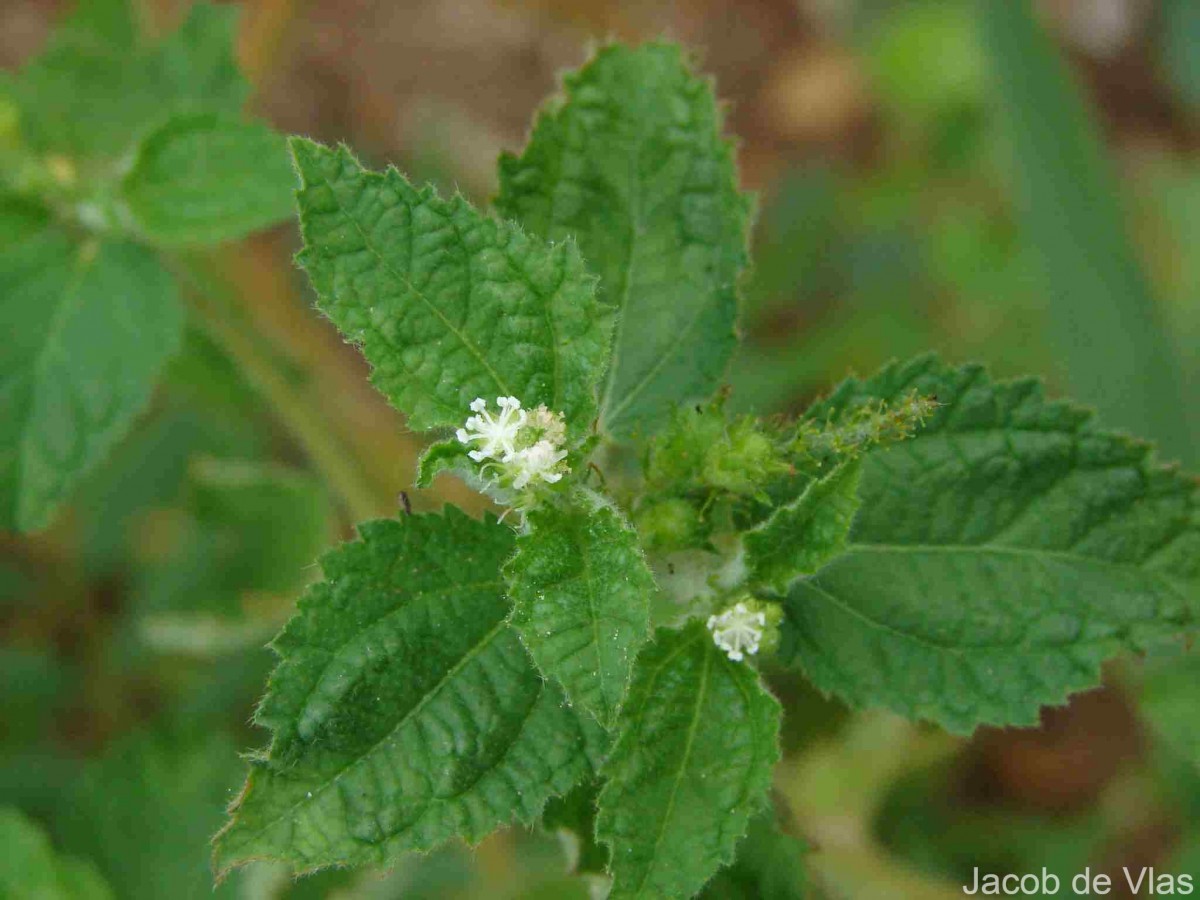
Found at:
<point>958,176</point>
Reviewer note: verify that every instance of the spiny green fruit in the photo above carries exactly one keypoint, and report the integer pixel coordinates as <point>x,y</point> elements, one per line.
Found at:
<point>873,423</point>
<point>702,449</point>
<point>675,460</point>
<point>670,524</point>
<point>744,462</point>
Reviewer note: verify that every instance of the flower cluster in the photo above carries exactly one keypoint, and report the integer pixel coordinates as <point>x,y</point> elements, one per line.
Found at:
<point>738,630</point>
<point>518,447</point>
<point>873,423</point>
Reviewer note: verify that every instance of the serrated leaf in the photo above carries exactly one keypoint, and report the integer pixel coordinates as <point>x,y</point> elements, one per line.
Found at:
<point>697,743</point>
<point>441,456</point>
<point>998,558</point>
<point>29,867</point>
<point>631,163</point>
<point>404,709</point>
<point>95,91</point>
<point>88,327</point>
<point>446,303</point>
<point>803,535</point>
<point>581,594</point>
<point>203,178</point>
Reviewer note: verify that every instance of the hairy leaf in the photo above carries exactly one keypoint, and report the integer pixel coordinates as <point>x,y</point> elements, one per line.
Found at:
<point>29,867</point>
<point>404,709</point>
<point>442,456</point>
<point>447,304</point>
<point>803,535</point>
<point>998,557</point>
<point>632,164</point>
<point>581,600</point>
<point>203,178</point>
<point>88,327</point>
<point>692,763</point>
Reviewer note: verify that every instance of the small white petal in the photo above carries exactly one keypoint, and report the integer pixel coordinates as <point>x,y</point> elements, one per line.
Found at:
<point>737,631</point>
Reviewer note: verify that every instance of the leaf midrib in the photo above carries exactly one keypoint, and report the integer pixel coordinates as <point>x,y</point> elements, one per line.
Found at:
<point>683,764</point>
<point>635,227</point>
<point>668,352</point>
<point>369,244</point>
<point>814,584</point>
<point>424,701</point>
<point>1033,553</point>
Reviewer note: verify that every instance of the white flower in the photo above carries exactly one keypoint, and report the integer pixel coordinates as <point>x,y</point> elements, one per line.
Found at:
<point>549,426</point>
<point>738,631</point>
<point>497,436</point>
<point>538,461</point>
<point>516,448</point>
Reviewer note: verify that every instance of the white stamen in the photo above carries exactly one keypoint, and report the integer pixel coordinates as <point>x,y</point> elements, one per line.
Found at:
<point>738,631</point>
<point>538,461</point>
<point>497,436</point>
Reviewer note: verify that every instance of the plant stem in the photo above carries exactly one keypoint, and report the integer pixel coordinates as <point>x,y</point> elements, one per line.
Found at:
<point>218,308</point>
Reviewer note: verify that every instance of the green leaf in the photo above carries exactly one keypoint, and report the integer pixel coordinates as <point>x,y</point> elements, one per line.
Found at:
<point>404,709</point>
<point>447,304</point>
<point>1105,321</point>
<point>631,163</point>
<point>998,558</point>
<point>581,600</point>
<point>769,866</point>
<point>29,867</point>
<point>442,456</point>
<point>94,91</point>
<point>88,327</point>
<point>805,534</point>
<point>692,763</point>
<point>203,178</point>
